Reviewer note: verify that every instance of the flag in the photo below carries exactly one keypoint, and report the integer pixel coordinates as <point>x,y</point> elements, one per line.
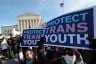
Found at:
<point>62,4</point>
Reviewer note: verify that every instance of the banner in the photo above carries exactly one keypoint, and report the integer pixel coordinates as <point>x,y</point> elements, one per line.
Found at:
<point>71,30</point>
<point>31,37</point>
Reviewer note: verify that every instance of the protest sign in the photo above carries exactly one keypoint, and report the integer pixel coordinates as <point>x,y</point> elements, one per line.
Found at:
<point>31,37</point>
<point>71,30</point>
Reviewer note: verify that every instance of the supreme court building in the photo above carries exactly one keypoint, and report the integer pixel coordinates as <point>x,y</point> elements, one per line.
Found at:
<point>29,20</point>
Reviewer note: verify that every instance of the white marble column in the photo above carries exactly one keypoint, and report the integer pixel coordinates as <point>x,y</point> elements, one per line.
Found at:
<point>38,22</point>
<point>27,23</point>
<point>35,23</point>
<point>31,23</point>
<point>24,24</point>
<point>19,25</point>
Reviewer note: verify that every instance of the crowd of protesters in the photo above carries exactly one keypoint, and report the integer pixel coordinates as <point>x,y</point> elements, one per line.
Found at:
<point>39,55</point>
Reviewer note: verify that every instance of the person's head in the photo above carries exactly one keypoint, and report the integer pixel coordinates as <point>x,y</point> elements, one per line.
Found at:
<point>29,54</point>
<point>69,51</point>
<point>69,56</point>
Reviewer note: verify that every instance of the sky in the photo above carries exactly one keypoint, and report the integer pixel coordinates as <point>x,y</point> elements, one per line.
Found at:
<point>47,9</point>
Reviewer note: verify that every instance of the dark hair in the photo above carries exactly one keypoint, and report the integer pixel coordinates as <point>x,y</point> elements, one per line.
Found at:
<point>29,50</point>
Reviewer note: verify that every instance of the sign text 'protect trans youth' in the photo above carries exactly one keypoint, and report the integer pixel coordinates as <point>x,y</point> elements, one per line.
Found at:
<point>70,29</point>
